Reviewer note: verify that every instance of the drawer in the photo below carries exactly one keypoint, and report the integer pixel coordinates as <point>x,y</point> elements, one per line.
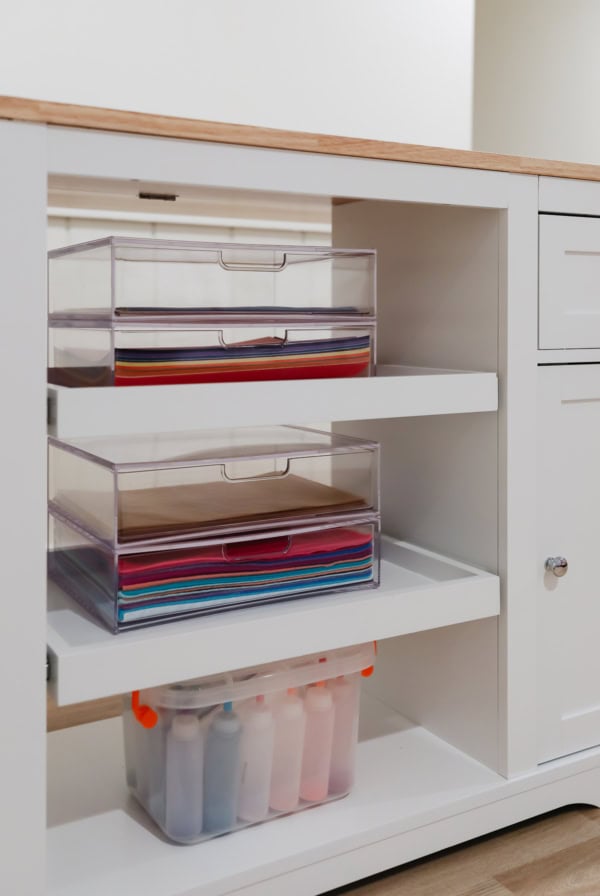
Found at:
<point>125,279</point>
<point>569,282</point>
<point>132,588</point>
<point>154,489</point>
<point>148,355</point>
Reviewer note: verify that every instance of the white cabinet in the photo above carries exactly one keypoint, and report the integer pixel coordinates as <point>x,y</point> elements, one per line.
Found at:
<point>568,526</point>
<point>448,748</point>
<point>569,287</point>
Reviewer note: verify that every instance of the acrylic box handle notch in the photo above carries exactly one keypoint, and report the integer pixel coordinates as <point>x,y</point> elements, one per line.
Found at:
<point>250,550</point>
<point>249,266</point>
<point>265,340</point>
<point>263,477</point>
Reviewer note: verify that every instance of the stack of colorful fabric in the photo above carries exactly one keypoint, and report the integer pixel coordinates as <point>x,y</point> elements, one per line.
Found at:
<point>221,576</point>
<point>262,359</point>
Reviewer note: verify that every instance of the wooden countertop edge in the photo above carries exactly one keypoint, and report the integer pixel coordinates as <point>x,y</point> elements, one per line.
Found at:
<point>92,117</point>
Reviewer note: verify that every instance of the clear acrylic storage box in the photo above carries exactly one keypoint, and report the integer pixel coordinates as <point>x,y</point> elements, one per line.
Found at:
<point>122,278</point>
<point>126,312</point>
<point>210,756</point>
<point>154,489</point>
<point>92,354</point>
<point>138,586</point>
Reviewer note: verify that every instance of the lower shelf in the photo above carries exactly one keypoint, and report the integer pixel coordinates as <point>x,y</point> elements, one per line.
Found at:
<point>419,590</point>
<point>100,841</point>
<point>415,794</point>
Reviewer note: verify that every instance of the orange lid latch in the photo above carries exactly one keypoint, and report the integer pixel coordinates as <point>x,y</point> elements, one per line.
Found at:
<point>370,669</point>
<point>321,684</point>
<point>145,715</point>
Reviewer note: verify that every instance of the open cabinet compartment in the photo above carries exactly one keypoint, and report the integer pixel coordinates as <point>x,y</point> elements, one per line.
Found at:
<point>417,760</point>
<point>406,777</point>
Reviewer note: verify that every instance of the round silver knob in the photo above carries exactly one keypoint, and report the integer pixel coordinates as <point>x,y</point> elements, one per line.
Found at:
<point>558,566</point>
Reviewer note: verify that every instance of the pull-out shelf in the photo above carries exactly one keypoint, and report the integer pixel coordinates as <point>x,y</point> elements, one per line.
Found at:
<point>395,392</point>
<point>420,590</point>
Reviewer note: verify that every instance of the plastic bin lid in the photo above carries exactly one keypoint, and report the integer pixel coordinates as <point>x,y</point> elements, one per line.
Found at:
<point>267,679</point>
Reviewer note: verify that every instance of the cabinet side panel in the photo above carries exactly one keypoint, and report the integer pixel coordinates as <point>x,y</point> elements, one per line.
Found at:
<point>439,486</point>
<point>446,680</point>
<point>437,280</point>
<point>437,305</point>
<point>23,521</point>
<point>439,490</point>
<point>438,289</point>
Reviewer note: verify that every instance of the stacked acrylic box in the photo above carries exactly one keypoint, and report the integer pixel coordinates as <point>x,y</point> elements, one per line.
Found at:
<point>209,756</point>
<point>135,312</point>
<point>148,528</point>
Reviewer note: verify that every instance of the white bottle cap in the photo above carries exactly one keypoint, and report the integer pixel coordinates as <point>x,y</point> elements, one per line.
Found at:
<point>341,684</point>
<point>291,708</point>
<point>260,718</point>
<point>185,727</point>
<point>318,699</point>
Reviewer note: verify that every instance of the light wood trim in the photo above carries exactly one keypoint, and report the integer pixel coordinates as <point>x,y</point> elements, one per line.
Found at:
<point>68,115</point>
<point>79,713</point>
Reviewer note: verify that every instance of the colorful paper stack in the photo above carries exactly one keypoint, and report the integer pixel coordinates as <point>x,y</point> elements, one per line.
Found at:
<point>262,359</point>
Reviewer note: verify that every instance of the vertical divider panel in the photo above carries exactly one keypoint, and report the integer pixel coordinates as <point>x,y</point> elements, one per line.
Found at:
<point>517,468</point>
<point>492,293</point>
<point>23,518</point>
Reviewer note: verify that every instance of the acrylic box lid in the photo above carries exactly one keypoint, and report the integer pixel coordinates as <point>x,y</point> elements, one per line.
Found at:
<point>196,279</point>
<point>129,453</point>
<point>230,256</point>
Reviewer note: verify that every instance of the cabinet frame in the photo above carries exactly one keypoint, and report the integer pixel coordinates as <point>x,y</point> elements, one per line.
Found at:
<point>36,151</point>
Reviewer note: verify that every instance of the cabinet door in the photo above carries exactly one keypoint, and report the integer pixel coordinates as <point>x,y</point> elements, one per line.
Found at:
<point>569,297</point>
<point>569,526</point>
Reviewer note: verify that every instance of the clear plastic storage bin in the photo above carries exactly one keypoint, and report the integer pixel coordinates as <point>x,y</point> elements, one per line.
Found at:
<point>129,588</point>
<point>209,756</point>
<point>154,489</point>
<point>121,278</point>
<point>88,353</point>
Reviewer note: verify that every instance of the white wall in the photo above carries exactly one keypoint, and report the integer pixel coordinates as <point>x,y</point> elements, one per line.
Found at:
<point>388,69</point>
<point>537,78</point>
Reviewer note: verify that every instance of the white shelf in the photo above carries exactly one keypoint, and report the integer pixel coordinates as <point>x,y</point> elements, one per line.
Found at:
<point>100,841</point>
<point>414,793</point>
<point>395,392</point>
<point>420,590</point>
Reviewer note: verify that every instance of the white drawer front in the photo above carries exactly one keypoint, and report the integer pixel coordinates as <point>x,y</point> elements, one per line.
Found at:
<point>569,287</point>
